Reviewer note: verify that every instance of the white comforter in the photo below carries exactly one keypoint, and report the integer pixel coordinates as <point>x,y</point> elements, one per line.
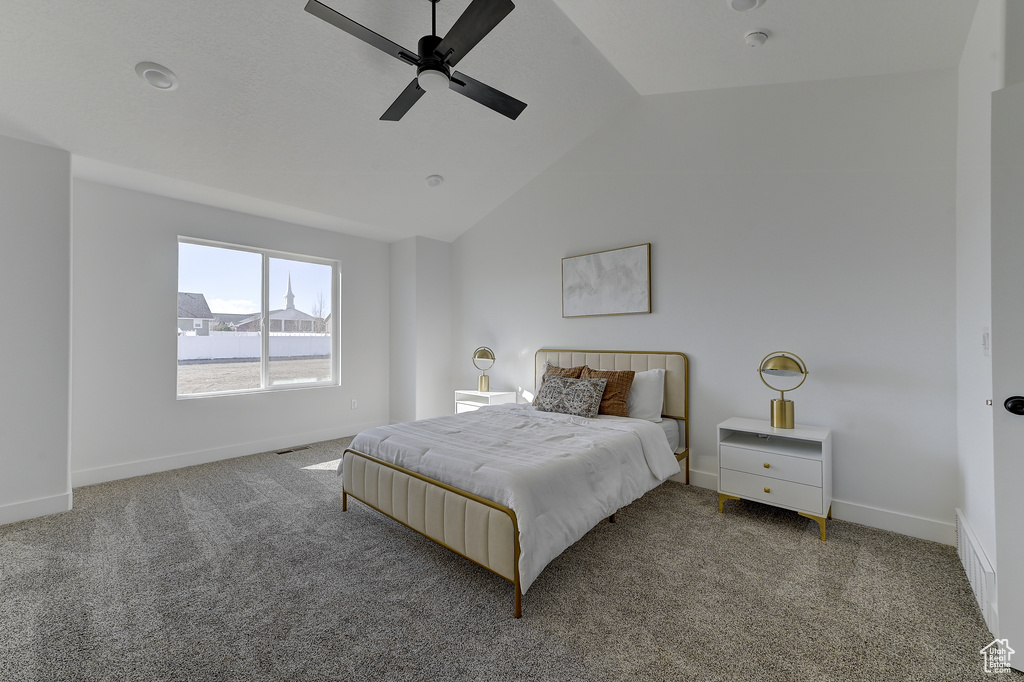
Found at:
<point>560,474</point>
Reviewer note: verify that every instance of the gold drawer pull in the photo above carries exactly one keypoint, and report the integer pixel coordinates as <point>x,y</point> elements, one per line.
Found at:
<point>767,490</point>
<point>767,465</point>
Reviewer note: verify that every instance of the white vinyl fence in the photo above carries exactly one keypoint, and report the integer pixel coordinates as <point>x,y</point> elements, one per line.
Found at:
<point>239,345</point>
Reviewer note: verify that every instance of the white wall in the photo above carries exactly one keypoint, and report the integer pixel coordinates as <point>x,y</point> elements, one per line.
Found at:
<point>420,329</point>
<point>126,418</point>
<point>434,320</point>
<point>980,74</point>
<point>814,217</point>
<point>403,331</point>
<point>35,193</point>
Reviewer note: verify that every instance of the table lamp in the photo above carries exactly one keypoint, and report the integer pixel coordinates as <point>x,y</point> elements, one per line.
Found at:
<point>782,364</point>
<point>483,356</point>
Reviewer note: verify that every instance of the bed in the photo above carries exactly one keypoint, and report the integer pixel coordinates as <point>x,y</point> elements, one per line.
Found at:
<point>509,487</point>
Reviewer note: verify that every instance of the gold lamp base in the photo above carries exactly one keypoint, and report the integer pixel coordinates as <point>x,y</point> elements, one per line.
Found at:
<point>782,414</point>
<point>483,384</point>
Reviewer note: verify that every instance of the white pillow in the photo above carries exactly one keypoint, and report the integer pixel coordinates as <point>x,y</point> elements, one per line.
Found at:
<point>647,395</point>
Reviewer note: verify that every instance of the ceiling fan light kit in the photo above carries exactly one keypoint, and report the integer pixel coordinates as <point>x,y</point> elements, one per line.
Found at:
<point>435,56</point>
<point>431,79</point>
<point>431,74</point>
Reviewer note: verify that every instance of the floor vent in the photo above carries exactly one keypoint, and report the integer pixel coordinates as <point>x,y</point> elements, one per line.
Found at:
<point>298,449</point>
<point>978,568</point>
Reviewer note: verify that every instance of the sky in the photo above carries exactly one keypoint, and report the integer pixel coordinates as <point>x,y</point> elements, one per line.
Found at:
<point>230,279</point>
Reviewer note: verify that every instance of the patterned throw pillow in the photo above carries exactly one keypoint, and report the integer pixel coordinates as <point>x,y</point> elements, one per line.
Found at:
<point>616,392</point>
<point>580,397</point>
<point>551,370</point>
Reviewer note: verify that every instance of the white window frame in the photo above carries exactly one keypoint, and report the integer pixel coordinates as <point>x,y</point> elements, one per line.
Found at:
<point>267,254</point>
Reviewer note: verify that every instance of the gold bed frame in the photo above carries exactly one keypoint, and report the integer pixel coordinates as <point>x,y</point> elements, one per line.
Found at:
<point>483,531</point>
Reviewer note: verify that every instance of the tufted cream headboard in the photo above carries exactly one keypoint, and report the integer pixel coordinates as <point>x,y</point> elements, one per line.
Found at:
<point>674,364</point>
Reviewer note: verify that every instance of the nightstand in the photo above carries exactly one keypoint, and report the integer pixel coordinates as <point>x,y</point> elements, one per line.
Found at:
<point>787,468</point>
<point>467,401</point>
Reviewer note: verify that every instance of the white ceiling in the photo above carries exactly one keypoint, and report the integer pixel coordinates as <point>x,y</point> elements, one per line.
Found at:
<point>277,112</point>
<point>681,45</point>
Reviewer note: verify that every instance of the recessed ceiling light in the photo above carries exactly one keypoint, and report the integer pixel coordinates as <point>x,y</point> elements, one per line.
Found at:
<point>745,5</point>
<point>434,180</point>
<point>160,77</point>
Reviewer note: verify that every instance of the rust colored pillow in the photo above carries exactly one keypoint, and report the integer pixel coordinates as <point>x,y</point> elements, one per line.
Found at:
<point>616,391</point>
<point>551,370</point>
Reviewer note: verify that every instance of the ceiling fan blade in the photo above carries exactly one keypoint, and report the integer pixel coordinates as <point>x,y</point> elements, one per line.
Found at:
<point>486,95</point>
<point>409,96</point>
<point>322,11</point>
<point>477,21</point>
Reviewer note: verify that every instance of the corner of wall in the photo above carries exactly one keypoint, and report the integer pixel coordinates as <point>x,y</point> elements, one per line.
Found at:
<point>1013,50</point>
<point>31,509</point>
<point>35,192</point>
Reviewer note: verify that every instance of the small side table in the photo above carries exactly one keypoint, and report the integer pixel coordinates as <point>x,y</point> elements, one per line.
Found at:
<point>787,468</point>
<point>467,401</point>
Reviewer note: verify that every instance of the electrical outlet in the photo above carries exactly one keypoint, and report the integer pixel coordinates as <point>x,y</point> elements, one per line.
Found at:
<point>355,404</point>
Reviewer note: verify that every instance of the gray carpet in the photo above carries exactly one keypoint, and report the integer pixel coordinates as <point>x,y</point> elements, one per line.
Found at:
<point>248,570</point>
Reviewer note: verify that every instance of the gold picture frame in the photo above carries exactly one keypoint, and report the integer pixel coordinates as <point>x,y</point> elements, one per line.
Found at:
<point>611,282</point>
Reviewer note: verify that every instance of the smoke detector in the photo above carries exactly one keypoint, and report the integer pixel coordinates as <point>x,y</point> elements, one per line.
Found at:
<point>756,38</point>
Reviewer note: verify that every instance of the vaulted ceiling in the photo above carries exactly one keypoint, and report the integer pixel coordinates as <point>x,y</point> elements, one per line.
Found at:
<point>276,111</point>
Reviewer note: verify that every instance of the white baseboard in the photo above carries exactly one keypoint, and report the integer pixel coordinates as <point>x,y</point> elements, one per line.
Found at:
<point>142,467</point>
<point>30,509</point>
<point>906,524</point>
<point>885,519</point>
<point>701,479</point>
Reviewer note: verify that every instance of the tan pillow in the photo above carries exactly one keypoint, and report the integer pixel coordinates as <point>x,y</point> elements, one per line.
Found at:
<point>552,371</point>
<point>616,392</point>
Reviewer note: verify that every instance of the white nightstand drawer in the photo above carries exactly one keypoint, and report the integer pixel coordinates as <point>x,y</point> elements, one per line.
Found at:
<point>772,491</point>
<point>782,467</point>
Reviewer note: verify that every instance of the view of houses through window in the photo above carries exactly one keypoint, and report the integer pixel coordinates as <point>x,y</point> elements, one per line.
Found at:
<point>251,320</point>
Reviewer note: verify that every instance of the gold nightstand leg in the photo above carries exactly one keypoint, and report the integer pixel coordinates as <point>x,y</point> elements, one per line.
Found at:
<point>821,521</point>
<point>722,497</point>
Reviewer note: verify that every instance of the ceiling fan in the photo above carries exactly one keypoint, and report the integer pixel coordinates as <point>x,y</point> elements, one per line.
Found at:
<point>437,55</point>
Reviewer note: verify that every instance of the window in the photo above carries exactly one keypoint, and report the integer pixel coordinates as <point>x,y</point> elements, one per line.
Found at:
<point>270,319</point>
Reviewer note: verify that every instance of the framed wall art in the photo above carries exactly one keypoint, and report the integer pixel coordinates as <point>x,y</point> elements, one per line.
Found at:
<point>613,282</point>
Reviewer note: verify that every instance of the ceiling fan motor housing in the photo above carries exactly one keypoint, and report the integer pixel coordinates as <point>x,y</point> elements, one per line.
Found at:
<point>431,73</point>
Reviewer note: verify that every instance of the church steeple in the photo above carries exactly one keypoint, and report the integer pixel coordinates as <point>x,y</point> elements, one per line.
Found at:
<point>289,297</point>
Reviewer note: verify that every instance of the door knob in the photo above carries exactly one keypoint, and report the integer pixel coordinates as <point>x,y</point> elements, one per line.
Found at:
<point>1015,404</point>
